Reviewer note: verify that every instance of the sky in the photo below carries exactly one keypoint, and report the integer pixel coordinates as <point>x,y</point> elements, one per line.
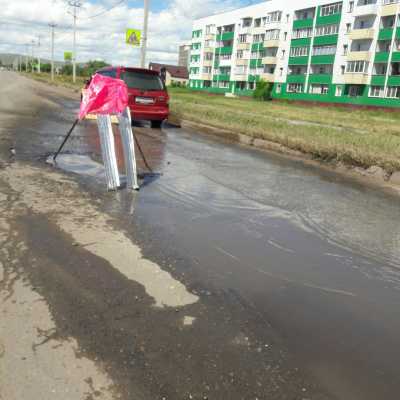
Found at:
<point>101,26</point>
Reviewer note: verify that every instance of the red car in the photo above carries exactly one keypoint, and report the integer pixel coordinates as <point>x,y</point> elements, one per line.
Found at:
<point>148,96</point>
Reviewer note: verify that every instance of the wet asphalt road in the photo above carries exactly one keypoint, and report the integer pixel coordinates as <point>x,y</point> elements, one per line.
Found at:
<point>304,263</point>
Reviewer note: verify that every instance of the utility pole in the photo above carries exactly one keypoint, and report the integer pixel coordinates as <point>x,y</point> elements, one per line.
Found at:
<point>75,4</point>
<point>144,34</point>
<point>26,58</point>
<point>38,70</point>
<point>52,26</point>
<point>33,57</point>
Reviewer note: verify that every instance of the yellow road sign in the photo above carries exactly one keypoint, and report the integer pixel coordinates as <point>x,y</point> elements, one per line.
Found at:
<point>133,37</point>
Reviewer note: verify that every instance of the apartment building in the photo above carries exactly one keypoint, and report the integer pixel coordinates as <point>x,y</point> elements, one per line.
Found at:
<point>340,52</point>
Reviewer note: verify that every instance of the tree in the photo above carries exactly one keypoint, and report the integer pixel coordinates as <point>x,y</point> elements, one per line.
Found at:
<point>263,91</point>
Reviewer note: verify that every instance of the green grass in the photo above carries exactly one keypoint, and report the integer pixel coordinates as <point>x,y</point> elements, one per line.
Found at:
<point>59,80</point>
<point>355,136</point>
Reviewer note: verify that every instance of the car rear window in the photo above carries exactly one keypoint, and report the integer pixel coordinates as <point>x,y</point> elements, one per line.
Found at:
<point>142,81</point>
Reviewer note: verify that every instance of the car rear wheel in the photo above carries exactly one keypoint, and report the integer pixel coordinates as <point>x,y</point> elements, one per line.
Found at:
<point>156,124</point>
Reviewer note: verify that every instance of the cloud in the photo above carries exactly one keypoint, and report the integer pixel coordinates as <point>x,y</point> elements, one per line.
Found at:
<point>102,37</point>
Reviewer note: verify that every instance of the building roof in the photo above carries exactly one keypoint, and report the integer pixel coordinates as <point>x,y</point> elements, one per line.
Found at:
<point>174,70</point>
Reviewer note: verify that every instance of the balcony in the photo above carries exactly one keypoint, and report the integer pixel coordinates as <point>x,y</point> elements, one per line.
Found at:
<point>302,60</point>
<point>303,23</point>
<point>394,80</point>
<point>225,36</point>
<point>243,46</point>
<point>381,57</point>
<point>224,50</point>
<point>357,34</point>
<point>355,78</point>
<point>328,19</point>
<point>209,36</point>
<point>269,60</point>
<point>256,63</point>
<point>325,40</point>
<point>271,43</point>
<point>302,42</point>
<point>207,63</point>
<point>320,78</point>
<point>225,63</point>
<point>209,49</point>
<point>385,34</point>
<point>221,77</point>
<point>378,80</point>
<point>359,56</point>
<point>241,77</point>
<point>268,77</point>
<point>389,9</point>
<point>323,59</point>
<point>242,61</point>
<point>206,77</point>
<point>253,78</point>
<point>368,9</point>
<point>396,56</point>
<point>296,78</point>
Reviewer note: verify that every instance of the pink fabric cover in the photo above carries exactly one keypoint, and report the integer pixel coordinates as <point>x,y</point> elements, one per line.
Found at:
<point>104,95</point>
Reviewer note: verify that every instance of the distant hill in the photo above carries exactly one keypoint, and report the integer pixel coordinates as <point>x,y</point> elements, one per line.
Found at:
<point>10,59</point>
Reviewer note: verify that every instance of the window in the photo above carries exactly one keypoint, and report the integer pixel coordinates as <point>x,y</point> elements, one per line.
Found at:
<point>342,69</point>
<point>208,56</point>
<point>243,38</point>
<point>207,70</point>
<point>348,28</point>
<point>318,89</point>
<point>357,66</point>
<point>280,71</point>
<point>239,54</point>
<point>339,91</point>
<point>324,50</point>
<point>258,38</point>
<point>298,51</point>
<point>331,9</point>
<point>302,33</point>
<point>327,30</point>
<point>112,73</point>
<point>142,81</point>
<point>376,91</point>
<point>351,6</point>
<point>283,54</point>
<point>345,49</point>
<point>295,88</point>
<point>257,22</point>
<point>278,88</point>
<point>272,34</point>
<point>274,17</point>
<point>287,17</point>
<point>393,92</point>
<point>285,36</point>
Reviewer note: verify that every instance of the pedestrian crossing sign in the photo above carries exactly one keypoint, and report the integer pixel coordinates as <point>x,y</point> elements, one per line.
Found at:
<point>133,37</point>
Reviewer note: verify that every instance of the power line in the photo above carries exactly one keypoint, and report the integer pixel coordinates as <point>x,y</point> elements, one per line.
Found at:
<point>105,11</point>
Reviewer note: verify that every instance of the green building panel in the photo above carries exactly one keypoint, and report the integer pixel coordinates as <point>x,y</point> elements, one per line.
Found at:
<point>303,60</point>
<point>226,36</point>
<point>393,81</point>
<point>257,47</point>
<point>303,23</point>
<point>378,80</point>
<point>320,78</point>
<point>330,97</point>
<point>256,63</point>
<point>221,77</point>
<point>385,34</point>
<point>323,59</point>
<point>396,56</point>
<point>303,42</point>
<point>382,57</point>
<point>224,50</point>
<point>325,40</point>
<point>328,19</point>
<point>254,78</point>
<point>301,78</point>
<point>398,33</point>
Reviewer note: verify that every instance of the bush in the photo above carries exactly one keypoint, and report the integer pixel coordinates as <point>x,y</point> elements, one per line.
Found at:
<point>263,91</point>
